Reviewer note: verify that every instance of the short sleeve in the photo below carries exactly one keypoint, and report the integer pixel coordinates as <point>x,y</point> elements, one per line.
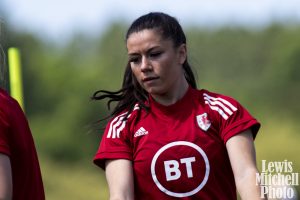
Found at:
<point>232,117</point>
<point>238,122</point>
<point>115,142</point>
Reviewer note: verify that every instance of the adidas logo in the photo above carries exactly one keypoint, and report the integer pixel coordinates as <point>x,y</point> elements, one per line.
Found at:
<point>140,132</point>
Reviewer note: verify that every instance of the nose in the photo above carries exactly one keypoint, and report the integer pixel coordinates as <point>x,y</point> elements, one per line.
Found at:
<point>146,64</point>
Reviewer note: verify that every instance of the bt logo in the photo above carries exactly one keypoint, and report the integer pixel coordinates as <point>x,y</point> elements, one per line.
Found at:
<point>172,168</point>
<point>181,165</point>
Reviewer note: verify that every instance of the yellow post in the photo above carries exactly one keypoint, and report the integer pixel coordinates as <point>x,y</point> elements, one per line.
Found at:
<point>15,75</point>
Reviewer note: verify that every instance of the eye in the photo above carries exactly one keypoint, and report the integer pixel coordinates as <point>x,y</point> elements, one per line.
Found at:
<point>134,60</point>
<point>155,54</point>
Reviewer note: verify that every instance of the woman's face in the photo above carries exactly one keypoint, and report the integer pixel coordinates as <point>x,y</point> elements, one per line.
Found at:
<point>155,62</point>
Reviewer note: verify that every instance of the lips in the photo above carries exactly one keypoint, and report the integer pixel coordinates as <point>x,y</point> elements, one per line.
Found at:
<point>149,79</point>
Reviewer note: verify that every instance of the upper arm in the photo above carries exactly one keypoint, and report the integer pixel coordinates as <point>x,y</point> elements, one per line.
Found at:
<point>242,157</point>
<point>119,175</point>
<point>5,177</point>
<point>241,152</point>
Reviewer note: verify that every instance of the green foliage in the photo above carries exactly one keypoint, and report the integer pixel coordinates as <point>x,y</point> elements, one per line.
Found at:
<point>258,67</point>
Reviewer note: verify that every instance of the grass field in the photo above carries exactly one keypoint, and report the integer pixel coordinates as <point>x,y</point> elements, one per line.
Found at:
<point>79,182</point>
<point>278,140</point>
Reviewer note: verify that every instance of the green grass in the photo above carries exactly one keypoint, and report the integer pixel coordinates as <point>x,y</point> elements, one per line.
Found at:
<point>277,141</point>
<point>81,182</point>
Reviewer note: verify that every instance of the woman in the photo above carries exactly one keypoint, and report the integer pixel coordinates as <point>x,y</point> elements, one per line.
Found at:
<point>20,175</point>
<point>166,139</point>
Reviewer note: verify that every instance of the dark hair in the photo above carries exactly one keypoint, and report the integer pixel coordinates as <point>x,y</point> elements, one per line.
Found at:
<point>131,92</point>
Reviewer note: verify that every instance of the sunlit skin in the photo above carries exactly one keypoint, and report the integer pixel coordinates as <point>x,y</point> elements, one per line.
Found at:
<point>157,65</point>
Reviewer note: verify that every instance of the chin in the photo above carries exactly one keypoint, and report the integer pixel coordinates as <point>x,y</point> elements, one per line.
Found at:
<point>155,90</point>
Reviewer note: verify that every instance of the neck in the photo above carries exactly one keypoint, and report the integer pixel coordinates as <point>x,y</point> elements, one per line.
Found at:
<point>173,95</point>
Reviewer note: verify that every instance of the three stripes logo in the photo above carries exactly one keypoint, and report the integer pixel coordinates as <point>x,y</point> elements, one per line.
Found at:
<point>141,131</point>
<point>222,106</point>
<point>118,124</point>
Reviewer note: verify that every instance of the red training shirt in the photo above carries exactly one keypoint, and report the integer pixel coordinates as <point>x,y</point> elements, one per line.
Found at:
<point>178,151</point>
<point>16,142</point>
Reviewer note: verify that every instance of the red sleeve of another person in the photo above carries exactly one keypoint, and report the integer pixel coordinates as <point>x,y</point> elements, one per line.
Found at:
<point>4,127</point>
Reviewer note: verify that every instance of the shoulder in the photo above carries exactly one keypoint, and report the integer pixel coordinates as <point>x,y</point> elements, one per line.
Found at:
<point>4,97</point>
<point>121,122</point>
<point>217,97</point>
<point>10,110</point>
<point>6,100</point>
<point>8,103</point>
<point>212,97</point>
<point>222,104</point>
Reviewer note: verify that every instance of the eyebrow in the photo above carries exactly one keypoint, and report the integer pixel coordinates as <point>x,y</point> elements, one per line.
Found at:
<point>149,50</point>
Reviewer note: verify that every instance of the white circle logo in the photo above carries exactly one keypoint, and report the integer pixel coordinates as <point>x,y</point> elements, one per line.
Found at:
<point>174,167</point>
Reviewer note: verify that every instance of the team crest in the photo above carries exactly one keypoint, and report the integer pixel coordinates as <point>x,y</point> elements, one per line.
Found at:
<point>203,121</point>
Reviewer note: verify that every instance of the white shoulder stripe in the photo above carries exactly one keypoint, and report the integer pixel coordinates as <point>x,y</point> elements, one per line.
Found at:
<point>219,110</point>
<point>117,133</point>
<point>118,127</point>
<point>115,122</point>
<point>212,102</point>
<point>118,124</point>
<point>220,105</point>
<point>223,100</point>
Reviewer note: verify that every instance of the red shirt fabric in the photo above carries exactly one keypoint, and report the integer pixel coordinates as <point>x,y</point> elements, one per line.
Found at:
<point>16,142</point>
<point>178,151</point>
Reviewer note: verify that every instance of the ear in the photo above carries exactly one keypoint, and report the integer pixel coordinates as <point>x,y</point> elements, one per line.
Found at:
<point>182,53</point>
